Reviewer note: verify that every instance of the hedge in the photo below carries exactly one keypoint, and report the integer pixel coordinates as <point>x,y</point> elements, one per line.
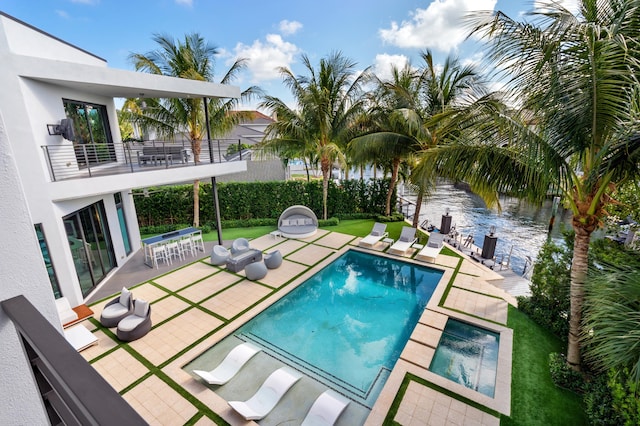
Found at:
<point>240,201</point>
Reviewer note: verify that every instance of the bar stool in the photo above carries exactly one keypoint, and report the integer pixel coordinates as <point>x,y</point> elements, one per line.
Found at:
<point>185,245</point>
<point>160,253</point>
<point>173,250</point>
<point>197,242</point>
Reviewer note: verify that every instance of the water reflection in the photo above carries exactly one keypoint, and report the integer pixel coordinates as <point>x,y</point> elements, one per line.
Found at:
<point>521,228</point>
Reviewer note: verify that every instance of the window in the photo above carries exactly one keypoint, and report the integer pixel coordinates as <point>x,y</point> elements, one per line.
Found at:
<point>44,248</point>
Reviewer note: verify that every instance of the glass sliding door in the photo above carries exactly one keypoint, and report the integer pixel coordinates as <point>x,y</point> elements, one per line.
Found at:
<point>91,246</point>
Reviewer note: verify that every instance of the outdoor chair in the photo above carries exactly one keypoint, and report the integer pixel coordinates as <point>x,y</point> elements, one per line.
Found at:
<point>198,243</point>
<point>230,365</point>
<point>404,243</point>
<point>117,309</point>
<point>268,395</point>
<point>160,252</point>
<point>185,245</point>
<point>378,232</point>
<point>173,251</point>
<point>136,325</point>
<point>432,249</point>
<point>239,245</point>
<point>273,260</point>
<point>326,409</point>
<point>219,255</point>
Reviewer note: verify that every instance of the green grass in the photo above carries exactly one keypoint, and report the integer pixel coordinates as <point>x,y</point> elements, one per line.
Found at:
<point>535,400</point>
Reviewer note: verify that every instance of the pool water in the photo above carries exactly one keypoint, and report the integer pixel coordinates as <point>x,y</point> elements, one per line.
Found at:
<point>347,325</point>
<point>468,355</point>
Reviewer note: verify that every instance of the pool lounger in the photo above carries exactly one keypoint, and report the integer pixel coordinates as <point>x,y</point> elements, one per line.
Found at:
<point>269,394</point>
<point>326,409</point>
<point>230,365</point>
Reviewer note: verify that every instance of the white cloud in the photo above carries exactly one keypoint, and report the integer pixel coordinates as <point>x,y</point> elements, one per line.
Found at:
<point>90,2</point>
<point>62,14</point>
<point>570,5</point>
<point>289,27</point>
<point>265,57</point>
<point>440,26</point>
<point>188,3</point>
<point>383,62</point>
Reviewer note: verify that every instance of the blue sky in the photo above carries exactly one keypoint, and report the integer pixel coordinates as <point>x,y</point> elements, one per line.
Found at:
<point>270,34</point>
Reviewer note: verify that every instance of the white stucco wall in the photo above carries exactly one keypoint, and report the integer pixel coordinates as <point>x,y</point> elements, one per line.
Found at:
<point>22,271</point>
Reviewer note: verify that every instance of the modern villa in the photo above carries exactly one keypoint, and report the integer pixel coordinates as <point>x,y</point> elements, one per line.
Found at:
<point>68,216</point>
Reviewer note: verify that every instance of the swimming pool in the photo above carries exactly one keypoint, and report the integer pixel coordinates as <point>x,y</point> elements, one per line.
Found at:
<point>468,355</point>
<point>347,325</point>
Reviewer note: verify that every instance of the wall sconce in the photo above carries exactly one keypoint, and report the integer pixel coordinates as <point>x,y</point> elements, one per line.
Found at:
<point>65,128</point>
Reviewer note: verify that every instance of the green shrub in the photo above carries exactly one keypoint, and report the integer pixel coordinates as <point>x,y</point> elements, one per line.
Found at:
<point>625,398</point>
<point>260,200</point>
<point>549,303</point>
<point>564,376</point>
<point>394,217</point>
<point>598,402</point>
<point>332,221</point>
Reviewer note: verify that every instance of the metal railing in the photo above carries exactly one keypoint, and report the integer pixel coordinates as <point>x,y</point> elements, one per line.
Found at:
<point>78,161</point>
<point>72,391</point>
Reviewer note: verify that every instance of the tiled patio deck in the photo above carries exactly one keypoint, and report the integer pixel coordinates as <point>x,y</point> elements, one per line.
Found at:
<point>195,307</point>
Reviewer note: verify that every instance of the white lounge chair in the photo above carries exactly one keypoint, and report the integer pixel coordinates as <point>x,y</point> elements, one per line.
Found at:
<point>269,394</point>
<point>377,233</point>
<point>326,409</point>
<point>430,251</point>
<point>230,365</point>
<point>404,243</point>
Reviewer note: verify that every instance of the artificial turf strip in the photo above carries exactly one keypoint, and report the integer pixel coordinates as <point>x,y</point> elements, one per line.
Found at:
<point>535,400</point>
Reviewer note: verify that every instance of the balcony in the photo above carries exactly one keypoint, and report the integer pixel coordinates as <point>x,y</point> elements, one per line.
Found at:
<point>79,161</point>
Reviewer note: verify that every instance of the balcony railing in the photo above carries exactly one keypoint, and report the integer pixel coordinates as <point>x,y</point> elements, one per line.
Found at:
<point>79,161</point>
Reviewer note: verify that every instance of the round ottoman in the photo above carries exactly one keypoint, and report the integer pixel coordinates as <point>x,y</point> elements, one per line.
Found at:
<point>255,271</point>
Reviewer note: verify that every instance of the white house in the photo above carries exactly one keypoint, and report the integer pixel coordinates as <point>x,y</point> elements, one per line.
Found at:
<point>68,219</point>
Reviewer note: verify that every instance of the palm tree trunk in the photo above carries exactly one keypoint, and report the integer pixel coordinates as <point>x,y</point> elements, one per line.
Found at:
<point>579,268</point>
<point>392,185</point>
<point>416,215</point>
<point>196,203</point>
<point>325,165</point>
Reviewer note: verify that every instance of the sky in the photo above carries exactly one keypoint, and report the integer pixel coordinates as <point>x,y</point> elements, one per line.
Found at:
<point>270,34</point>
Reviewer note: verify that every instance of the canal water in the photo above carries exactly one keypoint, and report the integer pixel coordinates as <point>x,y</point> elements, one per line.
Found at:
<point>521,228</point>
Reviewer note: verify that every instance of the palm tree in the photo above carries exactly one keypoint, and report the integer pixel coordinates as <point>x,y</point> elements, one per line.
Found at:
<point>193,58</point>
<point>394,124</point>
<point>575,77</point>
<point>612,318</point>
<point>328,101</point>
<point>403,127</point>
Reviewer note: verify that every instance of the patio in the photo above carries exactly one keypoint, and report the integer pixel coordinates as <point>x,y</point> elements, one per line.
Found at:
<point>196,306</point>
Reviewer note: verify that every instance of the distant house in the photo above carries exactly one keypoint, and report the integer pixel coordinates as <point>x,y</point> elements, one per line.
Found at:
<point>66,179</point>
<point>240,143</point>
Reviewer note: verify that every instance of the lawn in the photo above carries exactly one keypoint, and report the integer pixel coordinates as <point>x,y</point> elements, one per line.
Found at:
<point>535,400</point>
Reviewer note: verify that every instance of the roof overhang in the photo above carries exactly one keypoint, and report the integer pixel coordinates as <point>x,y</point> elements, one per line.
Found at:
<point>117,83</point>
